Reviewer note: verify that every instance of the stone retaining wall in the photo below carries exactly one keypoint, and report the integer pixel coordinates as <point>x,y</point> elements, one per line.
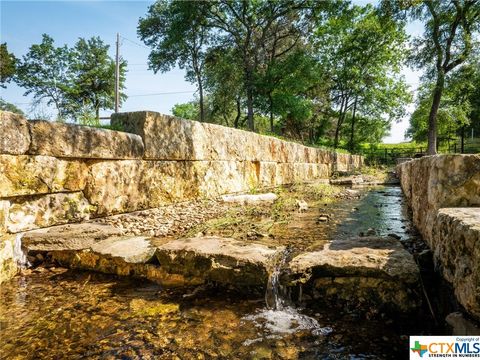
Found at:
<point>55,173</point>
<point>444,194</point>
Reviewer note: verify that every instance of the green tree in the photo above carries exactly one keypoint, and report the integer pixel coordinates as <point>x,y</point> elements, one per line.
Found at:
<point>447,43</point>
<point>365,74</point>
<point>6,106</point>
<point>177,35</point>
<point>92,77</point>
<point>8,64</point>
<point>44,72</point>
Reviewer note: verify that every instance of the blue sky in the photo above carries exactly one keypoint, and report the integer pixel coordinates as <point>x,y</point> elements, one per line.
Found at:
<point>24,22</point>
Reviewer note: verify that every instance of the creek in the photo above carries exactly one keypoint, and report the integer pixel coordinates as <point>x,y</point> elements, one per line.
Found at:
<point>53,313</point>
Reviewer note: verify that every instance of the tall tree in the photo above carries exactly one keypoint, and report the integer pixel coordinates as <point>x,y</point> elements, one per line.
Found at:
<point>177,35</point>
<point>446,44</point>
<point>8,63</point>
<point>92,73</point>
<point>44,72</point>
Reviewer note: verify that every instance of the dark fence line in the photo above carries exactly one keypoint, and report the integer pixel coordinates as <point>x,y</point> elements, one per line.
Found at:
<point>389,155</point>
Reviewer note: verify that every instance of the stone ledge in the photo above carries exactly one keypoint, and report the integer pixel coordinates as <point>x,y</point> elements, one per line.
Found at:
<point>374,270</point>
<point>456,248</point>
<point>75,141</point>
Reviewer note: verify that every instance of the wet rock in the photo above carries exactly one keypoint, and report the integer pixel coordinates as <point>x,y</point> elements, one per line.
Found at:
<point>14,137</point>
<point>372,270</point>
<point>371,232</point>
<point>462,326</point>
<point>217,259</point>
<point>395,236</point>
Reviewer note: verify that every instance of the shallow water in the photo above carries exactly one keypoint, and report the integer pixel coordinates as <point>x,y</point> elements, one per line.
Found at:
<point>58,313</point>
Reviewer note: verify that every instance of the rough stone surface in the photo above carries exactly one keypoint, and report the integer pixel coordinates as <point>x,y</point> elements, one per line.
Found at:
<point>218,259</point>
<point>369,269</point>
<point>135,250</point>
<point>462,326</point>
<point>74,141</point>
<point>68,237</point>
<point>28,213</point>
<point>434,182</point>
<point>170,138</point>
<point>250,199</point>
<point>448,181</point>
<point>4,206</point>
<point>31,175</point>
<point>8,267</point>
<point>14,134</point>
<point>456,248</point>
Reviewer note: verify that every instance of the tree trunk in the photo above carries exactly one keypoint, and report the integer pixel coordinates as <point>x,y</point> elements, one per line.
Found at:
<point>352,130</point>
<point>237,118</point>
<point>271,112</point>
<point>432,118</point>
<point>339,122</point>
<point>200,94</point>
<point>462,137</point>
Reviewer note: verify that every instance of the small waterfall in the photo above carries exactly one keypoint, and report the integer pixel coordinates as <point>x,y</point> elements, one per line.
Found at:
<point>275,295</point>
<point>280,317</point>
<point>19,255</point>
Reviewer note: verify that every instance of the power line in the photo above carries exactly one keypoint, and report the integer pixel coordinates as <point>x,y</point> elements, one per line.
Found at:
<point>134,42</point>
<point>164,93</point>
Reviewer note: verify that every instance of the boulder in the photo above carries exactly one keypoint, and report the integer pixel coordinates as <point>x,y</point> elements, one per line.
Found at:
<point>223,260</point>
<point>32,175</point>
<point>28,213</point>
<point>373,270</point>
<point>75,141</point>
<point>15,136</point>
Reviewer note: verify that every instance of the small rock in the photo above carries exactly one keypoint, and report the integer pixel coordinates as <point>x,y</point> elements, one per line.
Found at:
<point>302,205</point>
<point>371,232</point>
<point>395,236</point>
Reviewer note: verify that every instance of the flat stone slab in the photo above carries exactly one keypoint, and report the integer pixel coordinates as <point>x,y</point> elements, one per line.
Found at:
<point>135,250</point>
<point>68,237</point>
<point>218,259</point>
<point>250,199</point>
<point>371,269</point>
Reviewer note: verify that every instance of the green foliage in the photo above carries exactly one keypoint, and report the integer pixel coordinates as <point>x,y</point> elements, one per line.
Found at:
<point>8,64</point>
<point>6,106</point>
<point>78,81</point>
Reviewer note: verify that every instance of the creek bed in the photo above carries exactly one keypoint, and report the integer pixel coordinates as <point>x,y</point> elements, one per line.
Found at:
<point>55,313</point>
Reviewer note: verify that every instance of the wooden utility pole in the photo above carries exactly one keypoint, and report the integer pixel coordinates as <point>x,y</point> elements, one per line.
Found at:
<point>117,74</point>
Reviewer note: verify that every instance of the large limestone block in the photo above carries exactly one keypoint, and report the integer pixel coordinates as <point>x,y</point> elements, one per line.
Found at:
<point>456,247</point>
<point>14,134</point>
<point>217,259</point>
<point>27,213</point>
<point>74,141</point>
<point>130,185</point>
<point>68,237</point>
<point>372,270</point>
<point>30,175</point>
<point>440,181</point>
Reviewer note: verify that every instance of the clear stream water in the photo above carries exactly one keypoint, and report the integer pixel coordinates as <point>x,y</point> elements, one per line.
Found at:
<point>63,314</point>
